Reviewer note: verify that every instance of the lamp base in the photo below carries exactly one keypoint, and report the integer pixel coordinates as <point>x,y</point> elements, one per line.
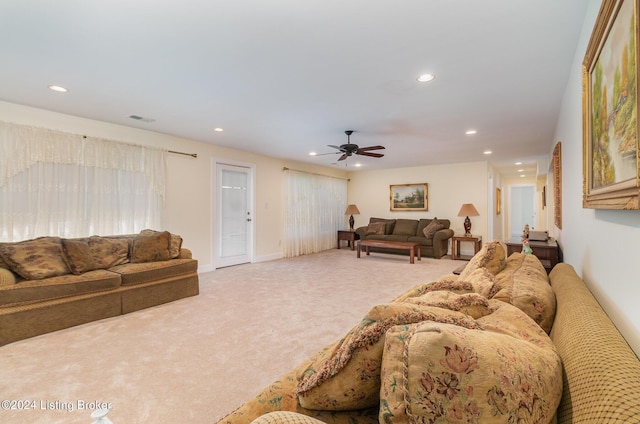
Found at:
<point>467,227</point>
<point>351,222</point>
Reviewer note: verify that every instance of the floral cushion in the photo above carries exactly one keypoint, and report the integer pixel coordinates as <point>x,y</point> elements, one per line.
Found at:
<point>151,246</point>
<point>471,304</point>
<point>174,245</point>
<point>35,259</point>
<point>432,228</point>
<point>108,252</point>
<point>492,256</point>
<point>348,375</point>
<point>77,255</point>
<point>435,372</point>
<point>524,283</point>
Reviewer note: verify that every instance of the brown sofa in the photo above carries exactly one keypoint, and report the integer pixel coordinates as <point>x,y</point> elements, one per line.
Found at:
<point>583,372</point>
<point>49,283</point>
<point>411,230</point>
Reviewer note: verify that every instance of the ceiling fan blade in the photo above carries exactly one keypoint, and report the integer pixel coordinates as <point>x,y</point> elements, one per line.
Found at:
<point>373,155</point>
<point>370,148</point>
<point>343,157</point>
<point>330,153</point>
<point>335,147</point>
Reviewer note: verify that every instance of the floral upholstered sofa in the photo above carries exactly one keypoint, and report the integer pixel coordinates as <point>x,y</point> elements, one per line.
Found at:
<point>51,283</point>
<point>496,344</point>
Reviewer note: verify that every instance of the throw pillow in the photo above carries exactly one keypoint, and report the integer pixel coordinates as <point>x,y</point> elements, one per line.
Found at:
<point>492,256</point>
<point>347,376</point>
<point>524,283</point>
<point>77,255</point>
<point>434,372</point>
<point>35,259</point>
<point>174,246</point>
<point>151,247</point>
<point>108,252</point>
<point>376,228</point>
<point>432,228</point>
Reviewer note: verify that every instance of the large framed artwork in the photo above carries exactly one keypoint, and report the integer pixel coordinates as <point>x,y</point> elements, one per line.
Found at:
<point>611,177</point>
<point>409,197</point>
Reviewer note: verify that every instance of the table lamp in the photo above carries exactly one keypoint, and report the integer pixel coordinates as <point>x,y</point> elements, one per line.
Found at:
<point>351,210</point>
<point>468,210</point>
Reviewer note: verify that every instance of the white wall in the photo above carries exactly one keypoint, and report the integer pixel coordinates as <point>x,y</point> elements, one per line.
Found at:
<point>450,186</point>
<point>189,195</point>
<point>598,243</point>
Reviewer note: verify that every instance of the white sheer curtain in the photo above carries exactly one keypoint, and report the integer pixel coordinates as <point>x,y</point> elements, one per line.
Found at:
<point>314,212</point>
<point>55,183</point>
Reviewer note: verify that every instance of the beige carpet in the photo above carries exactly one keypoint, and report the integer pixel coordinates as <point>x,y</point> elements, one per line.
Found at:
<point>197,359</point>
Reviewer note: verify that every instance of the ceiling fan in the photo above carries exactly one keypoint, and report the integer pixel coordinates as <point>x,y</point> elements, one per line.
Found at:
<point>351,149</point>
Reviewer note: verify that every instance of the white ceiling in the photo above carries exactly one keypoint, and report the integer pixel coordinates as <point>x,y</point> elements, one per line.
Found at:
<point>287,77</point>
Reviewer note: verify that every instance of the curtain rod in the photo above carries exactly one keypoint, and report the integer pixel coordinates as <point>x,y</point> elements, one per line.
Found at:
<point>284,168</point>
<point>193,155</point>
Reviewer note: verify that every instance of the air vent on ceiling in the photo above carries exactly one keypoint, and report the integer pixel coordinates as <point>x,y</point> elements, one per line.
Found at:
<point>141,118</point>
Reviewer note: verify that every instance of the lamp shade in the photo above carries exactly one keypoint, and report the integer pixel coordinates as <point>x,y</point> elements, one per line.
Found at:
<point>352,210</point>
<point>468,209</point>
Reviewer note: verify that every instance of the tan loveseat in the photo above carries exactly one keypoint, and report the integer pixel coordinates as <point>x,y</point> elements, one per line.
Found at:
<point>50,283</point>
<point>434,243</point>
<point>472,348</point>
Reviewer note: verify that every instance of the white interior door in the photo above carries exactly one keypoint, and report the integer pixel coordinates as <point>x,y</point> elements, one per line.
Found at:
<point>521,209</point>
<point>235,215</point>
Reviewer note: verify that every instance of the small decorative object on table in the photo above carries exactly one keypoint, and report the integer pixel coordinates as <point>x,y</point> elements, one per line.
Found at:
<point>526,249</point>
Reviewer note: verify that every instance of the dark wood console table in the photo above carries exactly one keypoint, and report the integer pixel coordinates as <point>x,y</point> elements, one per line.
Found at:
<point>349,236</point>
<point>547,251</point>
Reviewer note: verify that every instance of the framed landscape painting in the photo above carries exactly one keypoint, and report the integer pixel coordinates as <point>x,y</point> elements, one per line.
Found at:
<point>610,109</point>
<point>408,197</point>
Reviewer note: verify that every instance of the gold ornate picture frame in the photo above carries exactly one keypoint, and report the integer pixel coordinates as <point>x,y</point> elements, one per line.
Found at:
<point>409,197</point>
<point>611,165</point>
<point>498,201</point>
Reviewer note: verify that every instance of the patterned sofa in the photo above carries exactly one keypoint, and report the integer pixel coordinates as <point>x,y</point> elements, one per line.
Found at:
<point>496,344</point>
<point>51,283</point>
<point>432,234</point>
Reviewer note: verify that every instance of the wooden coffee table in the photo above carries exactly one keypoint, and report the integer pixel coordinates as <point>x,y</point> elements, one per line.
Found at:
<point>413,248</point>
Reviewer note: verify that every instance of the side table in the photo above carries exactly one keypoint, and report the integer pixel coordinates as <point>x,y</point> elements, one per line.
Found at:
<point>455,246</point>
<point>547,251</point>
<point>349,236</point>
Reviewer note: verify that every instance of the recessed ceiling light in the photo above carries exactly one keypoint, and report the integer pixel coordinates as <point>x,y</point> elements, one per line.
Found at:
<point>520,170</point>
<point>426,77</point>
<point>518,163</point>
<point>522,176</point>
<point>312,153</point>
<point>358,165</point>
<point>471,132</point>
<point>487,152</point>
<point>58,88</point>
<point>218,129</point>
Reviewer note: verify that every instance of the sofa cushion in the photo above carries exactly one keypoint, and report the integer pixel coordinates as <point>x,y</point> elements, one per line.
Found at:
<point>431,228</point>
<point>375,228</point>
<point>348,376</point>
<point>77,256</point>
<point>35,259</point>
<point>109,252</point>
<point>139,273</point>
<point>422,240</point>
<point>175,244</point>
<point>388,224</point>
<point>405,227</point>
<point>492,256</point>
<point>472,304</point>
<point>435,372</point>
<point>150,247</point>
<point>32,291</point>
<point>524,283</point>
